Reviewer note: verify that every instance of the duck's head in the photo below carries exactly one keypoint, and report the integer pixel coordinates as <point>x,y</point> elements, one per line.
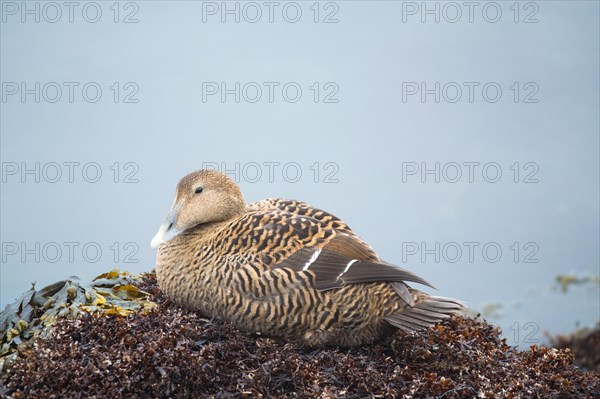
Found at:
<point>204,196</point>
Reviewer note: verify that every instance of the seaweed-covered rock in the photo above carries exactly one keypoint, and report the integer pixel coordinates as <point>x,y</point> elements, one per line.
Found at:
<point>177,353</point>
<point>36,311</point>
<point>585,345</point>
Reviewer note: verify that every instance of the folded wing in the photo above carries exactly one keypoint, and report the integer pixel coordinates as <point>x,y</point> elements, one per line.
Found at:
<point>342,259</point>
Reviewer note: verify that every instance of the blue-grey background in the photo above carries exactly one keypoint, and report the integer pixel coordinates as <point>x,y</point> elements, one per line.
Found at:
<point>364,137</point>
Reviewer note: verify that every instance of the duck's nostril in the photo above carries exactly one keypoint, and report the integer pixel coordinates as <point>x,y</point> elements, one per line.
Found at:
<point>169,228</point>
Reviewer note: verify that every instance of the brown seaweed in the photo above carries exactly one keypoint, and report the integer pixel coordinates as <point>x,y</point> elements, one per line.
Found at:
<point>172,352</point>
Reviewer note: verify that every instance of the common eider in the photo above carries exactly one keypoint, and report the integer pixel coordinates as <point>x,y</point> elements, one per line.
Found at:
<point>283,268</point>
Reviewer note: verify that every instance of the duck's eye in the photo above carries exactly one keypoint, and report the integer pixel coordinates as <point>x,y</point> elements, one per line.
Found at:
<point>198,190</point>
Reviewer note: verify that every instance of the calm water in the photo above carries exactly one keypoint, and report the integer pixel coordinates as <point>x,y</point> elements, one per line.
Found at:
<point>464,151</point>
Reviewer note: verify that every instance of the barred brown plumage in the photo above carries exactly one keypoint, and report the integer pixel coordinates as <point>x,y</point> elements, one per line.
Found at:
<point>283,268</point>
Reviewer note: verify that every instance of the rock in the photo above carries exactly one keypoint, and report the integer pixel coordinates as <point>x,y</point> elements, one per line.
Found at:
<point>178,353</point>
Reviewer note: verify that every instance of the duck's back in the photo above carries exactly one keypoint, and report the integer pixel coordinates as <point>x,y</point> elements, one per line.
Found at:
<point>287,269</point>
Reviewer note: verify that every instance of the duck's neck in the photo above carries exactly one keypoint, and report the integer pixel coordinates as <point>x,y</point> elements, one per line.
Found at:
<point>205,229</point>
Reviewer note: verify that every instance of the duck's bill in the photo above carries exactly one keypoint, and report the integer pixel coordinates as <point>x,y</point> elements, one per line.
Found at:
<point>168,229</point>
<point>160,237</point>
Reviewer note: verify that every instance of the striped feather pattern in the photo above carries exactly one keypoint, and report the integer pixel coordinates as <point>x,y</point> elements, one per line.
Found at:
<point>283,268</point>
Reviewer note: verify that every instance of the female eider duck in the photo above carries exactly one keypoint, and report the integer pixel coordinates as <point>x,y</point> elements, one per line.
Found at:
<point>283,268</point>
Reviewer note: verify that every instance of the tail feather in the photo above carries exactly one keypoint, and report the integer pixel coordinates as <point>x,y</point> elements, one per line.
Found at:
<point>424,314</point>
<point>413,322</point>
<point>406,323</point>
<point>403,292</point>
